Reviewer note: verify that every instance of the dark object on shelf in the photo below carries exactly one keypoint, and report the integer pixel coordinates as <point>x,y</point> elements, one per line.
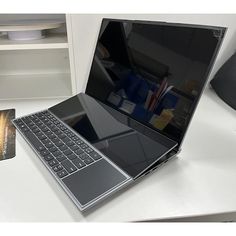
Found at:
<point>224,82</point>
<point>7,134</point>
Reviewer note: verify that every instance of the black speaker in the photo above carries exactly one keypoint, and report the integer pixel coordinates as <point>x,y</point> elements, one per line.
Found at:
<point>224,82</point>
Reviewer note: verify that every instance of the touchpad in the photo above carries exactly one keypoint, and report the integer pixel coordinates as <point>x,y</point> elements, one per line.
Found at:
<point>94,180</point>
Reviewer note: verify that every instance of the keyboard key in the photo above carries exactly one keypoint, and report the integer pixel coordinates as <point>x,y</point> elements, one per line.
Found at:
<point>39,114</point>
<point>51,125</point>
<point>53,162</point>
<point>67,152</point>
<point>26,119</point>
<point>48,157</point>
<point>36,130</point>
<point>63,128</point>
<point>84,146</point>
<point>31,124</point>
<point>57,168</point>
<point>38,123</point>
<point>57,153</point>
<point>34,141</point>
<point>78,151</point>
<point>74,147</point>
<point>67,131</point>
<point>70,143</point>
<point>83,156</point>
<point>71,156</point>
<point>45,120</point>
<point>32,116</point>
<point>48,132</point>
<point>45,128</point>
<point>75,138</point>
<point>45,141</point>
<point>68,166</point>
<point>62,135</point>
<point>88,150</point>
<point>41,126</point>
<point>41,136</point>
<point>47,123</point>
<point>45,152</point>
<point>66,139</point>
<point>57,131</point>
<point>19,121</point>
<point>55,140</point>
<point>61,158</point>
<point>25,129</point>
<point>71,135</point>
<point>22,125</point>
<point>59,125</point>
<point>58,143</point>
<point>62,173</point>
<point>95,156</point>
<point>78,163</point>
<point>35,120</point>
<point>52,136</point>
<point>49,144</point>
<point>79,142</point>
<point>53,149</point>
<point>88,160</point>
<point>63,147</point>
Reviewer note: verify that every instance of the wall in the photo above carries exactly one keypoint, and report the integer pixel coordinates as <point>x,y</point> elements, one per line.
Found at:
<point>86,27</point>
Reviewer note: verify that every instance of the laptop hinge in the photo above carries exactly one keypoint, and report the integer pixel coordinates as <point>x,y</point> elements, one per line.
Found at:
<point>160,161</point>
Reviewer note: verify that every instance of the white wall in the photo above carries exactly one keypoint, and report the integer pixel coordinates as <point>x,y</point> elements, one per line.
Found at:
<point>86,27</point>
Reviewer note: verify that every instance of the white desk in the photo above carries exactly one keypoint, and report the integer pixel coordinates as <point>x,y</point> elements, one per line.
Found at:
<point>201,181</point>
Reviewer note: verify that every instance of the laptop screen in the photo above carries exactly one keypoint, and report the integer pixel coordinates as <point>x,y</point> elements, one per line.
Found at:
<point>153,72</point>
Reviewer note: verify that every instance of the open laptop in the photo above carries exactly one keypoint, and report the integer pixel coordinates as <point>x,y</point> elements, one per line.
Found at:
<point>144,84</point>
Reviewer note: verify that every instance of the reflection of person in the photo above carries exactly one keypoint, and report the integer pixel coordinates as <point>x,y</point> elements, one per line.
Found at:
<point>102,52</point>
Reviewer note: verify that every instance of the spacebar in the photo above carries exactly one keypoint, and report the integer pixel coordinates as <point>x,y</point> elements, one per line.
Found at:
<point>34,141</point>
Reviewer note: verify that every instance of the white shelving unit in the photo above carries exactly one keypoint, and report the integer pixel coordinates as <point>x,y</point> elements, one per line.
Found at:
<point>36,68</point>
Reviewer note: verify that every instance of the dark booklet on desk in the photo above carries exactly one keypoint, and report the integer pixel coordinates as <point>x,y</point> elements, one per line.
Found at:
<point>7,134</point>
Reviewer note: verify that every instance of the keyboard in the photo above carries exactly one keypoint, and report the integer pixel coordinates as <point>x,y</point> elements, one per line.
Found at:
<point>60,148</point>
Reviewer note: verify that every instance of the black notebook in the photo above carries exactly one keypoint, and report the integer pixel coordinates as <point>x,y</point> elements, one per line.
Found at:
<point>7,134</point>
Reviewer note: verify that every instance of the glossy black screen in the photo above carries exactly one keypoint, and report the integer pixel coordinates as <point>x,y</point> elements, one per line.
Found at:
<point>114,135</point>
<point>153,72</point>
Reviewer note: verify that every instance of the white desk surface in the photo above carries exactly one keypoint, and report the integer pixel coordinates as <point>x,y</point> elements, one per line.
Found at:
<point>202,180</point>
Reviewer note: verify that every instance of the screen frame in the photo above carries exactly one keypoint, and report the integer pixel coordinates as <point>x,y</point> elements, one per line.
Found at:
<point>204,79</point>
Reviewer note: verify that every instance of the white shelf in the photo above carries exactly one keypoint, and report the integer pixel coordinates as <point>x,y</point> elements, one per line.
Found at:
<point>53,41</point>
<point>35,86</point>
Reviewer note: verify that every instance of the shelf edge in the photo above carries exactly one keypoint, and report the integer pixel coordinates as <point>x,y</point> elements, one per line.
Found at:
<point>33,46</point>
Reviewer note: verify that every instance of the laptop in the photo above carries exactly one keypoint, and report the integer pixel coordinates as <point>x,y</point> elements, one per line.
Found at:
<point>145,82</point>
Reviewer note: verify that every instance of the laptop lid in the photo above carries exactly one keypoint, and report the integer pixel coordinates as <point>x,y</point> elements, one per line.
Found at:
<point>153,72</point>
